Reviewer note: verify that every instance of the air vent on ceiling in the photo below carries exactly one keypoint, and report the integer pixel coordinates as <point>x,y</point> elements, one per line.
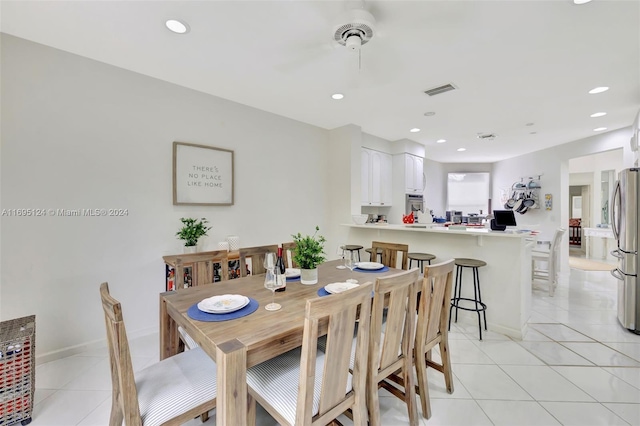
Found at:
<point>487,136</point>
<point>440,89</point>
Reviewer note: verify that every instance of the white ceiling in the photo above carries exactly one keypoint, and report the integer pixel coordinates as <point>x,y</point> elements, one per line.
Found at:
<point>514,62</point>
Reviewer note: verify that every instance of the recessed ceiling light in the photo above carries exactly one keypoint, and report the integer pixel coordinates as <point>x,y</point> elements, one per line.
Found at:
<point>598,114</point>
<point>598,90</point>
<point>462,149</point>
<point>599,129</point>
<point>337,96</point>
<point>414,130</point>
<point>429,113</point>
<point>532,133</point>
<point>441,141</point>
<point>581,1</point>
<point>529,124</point>
<point>177,26</point>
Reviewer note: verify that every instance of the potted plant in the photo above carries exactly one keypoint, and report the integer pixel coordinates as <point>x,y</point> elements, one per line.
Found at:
<point>191,231</point>
<point>308,254</point>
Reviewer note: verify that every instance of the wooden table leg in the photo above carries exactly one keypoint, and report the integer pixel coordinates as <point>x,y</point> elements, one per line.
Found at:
<point>169,339</point>
<point>231,408</point>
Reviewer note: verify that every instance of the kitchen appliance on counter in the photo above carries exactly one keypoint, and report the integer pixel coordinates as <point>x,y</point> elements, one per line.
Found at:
<point>414,204</point>
<point>454,216</point>
<point>624,209</point>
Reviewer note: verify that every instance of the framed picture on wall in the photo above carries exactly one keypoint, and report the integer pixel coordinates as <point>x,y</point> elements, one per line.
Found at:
<point>202,175</point>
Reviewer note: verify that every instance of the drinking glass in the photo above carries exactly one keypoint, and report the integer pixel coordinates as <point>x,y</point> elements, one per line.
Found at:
<point>350,262</point>
<point>271,283</point>
<point>269,262</point>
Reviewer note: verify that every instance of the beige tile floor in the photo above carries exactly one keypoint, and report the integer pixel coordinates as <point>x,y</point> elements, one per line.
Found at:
<point>575,366</point>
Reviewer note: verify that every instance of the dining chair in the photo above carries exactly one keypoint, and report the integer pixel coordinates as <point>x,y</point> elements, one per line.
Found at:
<point>256,257</point>
<point>390,253</point>
<point>170,392</point>
<point>310,387</point>
<point>391,350</point>
<point>431,330</point>
<point>551,258</point>
<point>288,248</point>
<point>203,272</point>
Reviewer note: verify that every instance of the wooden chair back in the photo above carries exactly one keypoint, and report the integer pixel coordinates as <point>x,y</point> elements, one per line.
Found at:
<point>393,350</point>
<point>390,254</point>
<point>256,256</point>
<point>124,392</point>
<point>203,267</point>
<point>433,312</point>
<point>432,327</point>
<point>287,249</point>
<point>343,313</point>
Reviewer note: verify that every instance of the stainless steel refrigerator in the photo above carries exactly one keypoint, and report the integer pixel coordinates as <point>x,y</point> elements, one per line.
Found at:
<point>624,223</point>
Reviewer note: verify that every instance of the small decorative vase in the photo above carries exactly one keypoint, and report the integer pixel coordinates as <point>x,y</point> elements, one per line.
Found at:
<point>190,249</point>
<point>309,276</point>
<point>234,242</point>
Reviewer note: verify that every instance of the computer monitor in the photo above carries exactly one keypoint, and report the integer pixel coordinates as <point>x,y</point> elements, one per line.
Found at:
<point>502,219</point>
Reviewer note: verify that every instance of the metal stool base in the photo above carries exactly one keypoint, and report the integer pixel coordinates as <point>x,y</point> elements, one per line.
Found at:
<point>479,306</point>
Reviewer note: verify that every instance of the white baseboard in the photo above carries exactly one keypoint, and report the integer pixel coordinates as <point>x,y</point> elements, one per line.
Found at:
<point>88,346</point>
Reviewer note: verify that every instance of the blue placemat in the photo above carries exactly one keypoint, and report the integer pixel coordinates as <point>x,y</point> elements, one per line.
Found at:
<point>322,292</point>
<point>197,314</point>
<point>385,269</point>
<point>293,279</point>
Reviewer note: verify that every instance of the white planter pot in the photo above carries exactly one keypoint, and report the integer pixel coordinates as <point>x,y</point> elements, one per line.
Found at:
<point>190,249</point>
<point>309,276</point>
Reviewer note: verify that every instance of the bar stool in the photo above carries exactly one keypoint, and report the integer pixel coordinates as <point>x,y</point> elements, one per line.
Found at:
<point>478,307</point>
<point>420,258</point>
<point>352,248</point>
<point>378,253</point>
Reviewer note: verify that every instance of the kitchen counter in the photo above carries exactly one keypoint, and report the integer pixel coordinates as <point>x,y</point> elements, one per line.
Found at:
<point>423,227</point>
<point>505,282</point>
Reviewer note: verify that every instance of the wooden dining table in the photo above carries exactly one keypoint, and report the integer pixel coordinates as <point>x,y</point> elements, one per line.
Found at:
<point>243,342</point>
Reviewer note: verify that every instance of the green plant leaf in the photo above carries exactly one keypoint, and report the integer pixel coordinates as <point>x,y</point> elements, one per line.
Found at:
<point>309,250</point>
<point>192,230</point>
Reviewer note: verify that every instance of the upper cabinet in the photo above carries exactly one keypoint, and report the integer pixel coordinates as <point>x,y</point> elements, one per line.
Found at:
<point>414,174</point>
<point>375,178</point>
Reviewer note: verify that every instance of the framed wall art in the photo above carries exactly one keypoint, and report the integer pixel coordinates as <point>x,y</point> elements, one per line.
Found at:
<point>202,175</point>
<point>548,201</point>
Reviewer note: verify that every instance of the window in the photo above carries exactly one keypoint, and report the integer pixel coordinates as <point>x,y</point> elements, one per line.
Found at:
<point>468,192</point>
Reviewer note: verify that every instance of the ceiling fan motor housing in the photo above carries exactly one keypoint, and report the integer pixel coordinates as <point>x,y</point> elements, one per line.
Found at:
<point>355,29</point>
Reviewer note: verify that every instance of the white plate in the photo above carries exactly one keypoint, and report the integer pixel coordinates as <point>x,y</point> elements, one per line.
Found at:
<point>370,265</point>
<point>223,304</point>
<point>334,288</point>
<point>292,272</point>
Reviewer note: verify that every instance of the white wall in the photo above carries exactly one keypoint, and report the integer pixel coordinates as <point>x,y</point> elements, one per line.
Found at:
<point>552,165</point>
<point>344,145</point>
<point>77,133</point>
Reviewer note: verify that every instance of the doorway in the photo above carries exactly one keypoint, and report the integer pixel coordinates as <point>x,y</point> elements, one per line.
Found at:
<point>580,215</point>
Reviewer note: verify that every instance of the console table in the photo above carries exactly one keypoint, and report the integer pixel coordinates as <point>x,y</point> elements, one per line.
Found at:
<point>604,233</point>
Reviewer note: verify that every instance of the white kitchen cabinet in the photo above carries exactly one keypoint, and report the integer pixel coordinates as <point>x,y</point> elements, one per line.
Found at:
<point>375,178</point>
<point>414,174</point>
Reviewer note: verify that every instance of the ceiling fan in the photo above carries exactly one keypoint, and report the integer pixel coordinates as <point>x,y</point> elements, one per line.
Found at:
<point>351,31</point>
<point>355,28</point>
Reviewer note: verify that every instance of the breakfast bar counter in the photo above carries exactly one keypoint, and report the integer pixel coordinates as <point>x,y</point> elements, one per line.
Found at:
<point>505,282</point>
